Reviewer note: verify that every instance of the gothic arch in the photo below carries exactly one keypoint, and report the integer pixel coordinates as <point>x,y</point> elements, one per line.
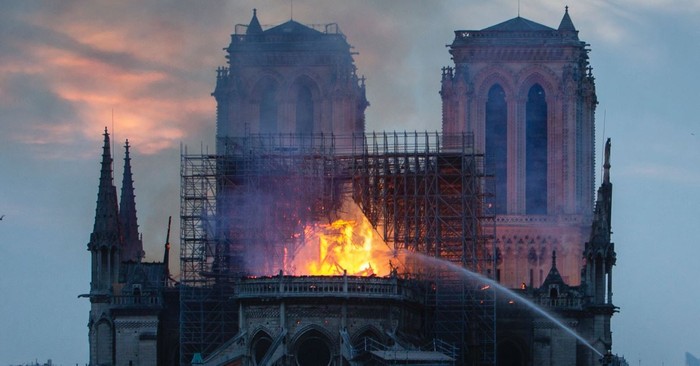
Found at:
<point>260,344</point>
<point>307,81</point>
<point>261,82</point>
<point>491,121</point>
<point>537,74</point>
<point>312,327</point>
<point>486,78</point>
<point>304,95</point>
<point>306,76</point>
<point>313,346</point>
<point>537,137</point>
<point>265,100</point>
<point>496,143</point>
<point>104,340</point>
<point>368,331</point>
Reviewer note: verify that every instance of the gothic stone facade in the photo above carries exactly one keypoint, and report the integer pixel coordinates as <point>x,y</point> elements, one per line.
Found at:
<point>526,92</point>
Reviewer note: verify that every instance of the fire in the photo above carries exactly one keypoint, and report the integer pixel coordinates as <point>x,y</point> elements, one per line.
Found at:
<point>348,244</point>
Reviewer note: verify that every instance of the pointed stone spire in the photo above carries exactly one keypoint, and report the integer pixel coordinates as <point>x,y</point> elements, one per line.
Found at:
<point>105,240</point>
<point>599,250</point>
<point>254,26</point>
<point>566,24</point>
<point>606,163</point>
<point>133,247</point>
<point>602,218</point>
<point>553,277</point>
<point>106,229</point>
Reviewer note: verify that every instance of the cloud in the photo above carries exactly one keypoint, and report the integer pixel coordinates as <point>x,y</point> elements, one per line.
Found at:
<point>66,67</point>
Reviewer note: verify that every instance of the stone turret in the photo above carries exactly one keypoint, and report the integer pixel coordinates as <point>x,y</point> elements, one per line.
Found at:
<point>600,258</point>
<point>105,246</point>
<point>106,238</point>
<point>273,84</point>
<point>600,251</point>
<point>566,25</point>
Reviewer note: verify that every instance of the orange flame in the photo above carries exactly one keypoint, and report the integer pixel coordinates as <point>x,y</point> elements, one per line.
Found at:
<point>348,244</point>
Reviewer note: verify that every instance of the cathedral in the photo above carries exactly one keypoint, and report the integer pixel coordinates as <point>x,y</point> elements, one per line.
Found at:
<point>505,193</point>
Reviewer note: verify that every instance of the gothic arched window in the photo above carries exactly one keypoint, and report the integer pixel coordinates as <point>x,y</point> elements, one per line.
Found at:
<point>497,144</point>
<point>536,151</point>
<point>268,109</point>
<point>305,111</point>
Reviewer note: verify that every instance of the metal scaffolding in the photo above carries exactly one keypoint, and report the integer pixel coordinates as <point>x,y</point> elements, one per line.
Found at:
<point>206,317</point>
<point>429,194</point>
<point>271,188</point>
<point>243,212</point>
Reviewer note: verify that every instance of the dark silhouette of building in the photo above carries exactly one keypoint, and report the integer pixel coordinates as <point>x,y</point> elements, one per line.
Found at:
<point>134,307</point>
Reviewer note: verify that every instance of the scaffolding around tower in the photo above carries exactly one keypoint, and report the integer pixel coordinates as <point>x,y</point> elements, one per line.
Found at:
<point>244,212</point>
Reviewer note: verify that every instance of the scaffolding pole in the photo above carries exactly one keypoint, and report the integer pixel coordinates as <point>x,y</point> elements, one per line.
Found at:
<point>206,320</point>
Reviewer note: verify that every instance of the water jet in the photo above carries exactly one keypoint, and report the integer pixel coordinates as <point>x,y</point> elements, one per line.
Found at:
<point>437,262</point>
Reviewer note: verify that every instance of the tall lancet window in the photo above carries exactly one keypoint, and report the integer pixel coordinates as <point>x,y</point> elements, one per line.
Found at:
<point>305,111</point>
<point>497,144</point>
<point>536,151</point>
<point>268,109</point>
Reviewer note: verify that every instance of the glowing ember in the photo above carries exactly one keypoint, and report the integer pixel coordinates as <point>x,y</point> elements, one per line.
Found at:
<point>347,244</point>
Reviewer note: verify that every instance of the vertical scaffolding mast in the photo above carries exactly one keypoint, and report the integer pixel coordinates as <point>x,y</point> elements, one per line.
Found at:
<point>206,320</point>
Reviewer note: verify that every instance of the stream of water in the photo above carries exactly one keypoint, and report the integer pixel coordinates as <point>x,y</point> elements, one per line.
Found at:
<point>436,262</point>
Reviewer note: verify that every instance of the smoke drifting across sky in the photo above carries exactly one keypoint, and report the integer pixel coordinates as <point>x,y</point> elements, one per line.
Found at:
<point>66,66</point>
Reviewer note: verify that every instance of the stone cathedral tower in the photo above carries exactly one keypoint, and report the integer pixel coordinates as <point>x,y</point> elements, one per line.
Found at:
<point>274,84</point>
<point>105,247</point>
<point>132,305</point>
<point>527,94</point>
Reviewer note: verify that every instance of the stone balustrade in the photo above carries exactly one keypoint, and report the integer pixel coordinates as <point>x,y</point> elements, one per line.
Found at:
<point>325,286</point>
<point>131,300</point>
<point>561,303</point>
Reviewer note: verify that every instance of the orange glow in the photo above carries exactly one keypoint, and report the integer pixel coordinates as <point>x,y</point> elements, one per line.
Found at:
<point>348,244</point>
<point>109,81</point>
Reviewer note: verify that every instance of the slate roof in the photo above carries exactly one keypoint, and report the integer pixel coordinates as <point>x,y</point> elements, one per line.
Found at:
<point>518,24</point>
<point>149,275</point>
<point>254,26</point>
<point>553,277</point>
<point>292,27</point>
<point>566,23</point>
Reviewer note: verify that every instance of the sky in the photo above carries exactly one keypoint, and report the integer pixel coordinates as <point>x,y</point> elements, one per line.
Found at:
<point>145,69</point>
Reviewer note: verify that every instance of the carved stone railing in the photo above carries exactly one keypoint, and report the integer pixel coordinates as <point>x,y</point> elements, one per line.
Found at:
<point>559,303</point>
<point>325,286</point>
<point>136,301</point>
<point>543,219</point>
